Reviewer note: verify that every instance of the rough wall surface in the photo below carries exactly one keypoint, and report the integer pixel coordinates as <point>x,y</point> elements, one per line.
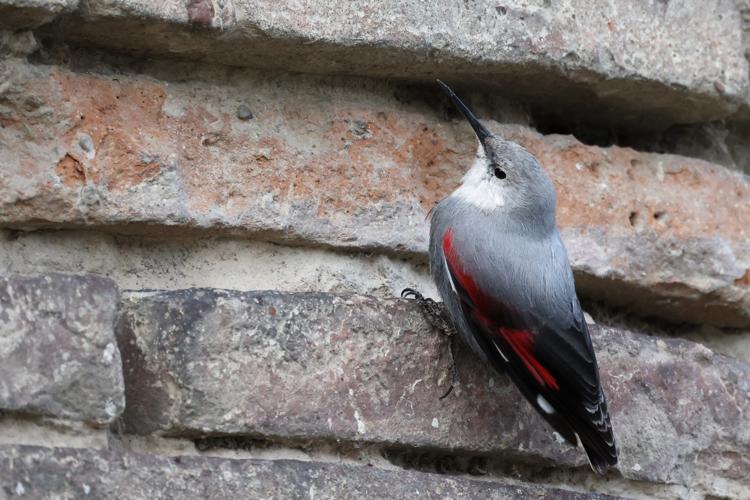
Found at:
<point>207,209</point>
<point>60,357</point>
<point>69,473</point>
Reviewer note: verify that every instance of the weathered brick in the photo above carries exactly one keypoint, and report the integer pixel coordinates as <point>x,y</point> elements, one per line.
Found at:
<point>659,233</point>
<point>19,14</point>
<point>15,44</point>
<point>647,64</point>
<point>318,366</point>
<point>35,472</point>
<point>58,354</point>
<point>341,163</point>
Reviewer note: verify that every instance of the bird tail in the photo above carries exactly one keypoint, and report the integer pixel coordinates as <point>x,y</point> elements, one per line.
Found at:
<point>599,441</point>
<point>600,459</point>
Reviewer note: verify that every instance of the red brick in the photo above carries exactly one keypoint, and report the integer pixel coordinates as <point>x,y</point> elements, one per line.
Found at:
<point>347,167</point>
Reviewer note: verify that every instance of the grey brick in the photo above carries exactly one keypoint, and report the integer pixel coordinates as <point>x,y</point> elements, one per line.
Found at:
<point>58,354</point>
<point>646,64</point>
<point>318,366</point>
<point>32,472</point>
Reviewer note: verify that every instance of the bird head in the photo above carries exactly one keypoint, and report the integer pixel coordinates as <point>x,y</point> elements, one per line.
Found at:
<point>505,178</point>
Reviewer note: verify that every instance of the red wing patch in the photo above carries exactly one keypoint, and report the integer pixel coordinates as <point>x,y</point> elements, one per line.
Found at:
<point>466,281</point>
<point>521,341</point>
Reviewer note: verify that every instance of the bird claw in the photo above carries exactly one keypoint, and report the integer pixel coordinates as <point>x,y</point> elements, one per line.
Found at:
<point>454,370</point>
<point>435,314</point>
<point>433,311</point>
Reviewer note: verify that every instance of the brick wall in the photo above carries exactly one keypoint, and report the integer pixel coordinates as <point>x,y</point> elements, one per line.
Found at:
<point>209,207</point>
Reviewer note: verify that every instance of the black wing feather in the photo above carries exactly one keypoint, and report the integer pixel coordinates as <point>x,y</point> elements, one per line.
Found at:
<point>566,353</point>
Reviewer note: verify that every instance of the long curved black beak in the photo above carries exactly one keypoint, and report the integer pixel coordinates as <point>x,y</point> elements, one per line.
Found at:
<point>479,128</point>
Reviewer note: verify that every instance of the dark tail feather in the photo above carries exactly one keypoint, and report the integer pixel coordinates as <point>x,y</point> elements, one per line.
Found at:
<point>557,422</point>
<point>599,446</point>
<point>599,459</point>
<point>593,431</point>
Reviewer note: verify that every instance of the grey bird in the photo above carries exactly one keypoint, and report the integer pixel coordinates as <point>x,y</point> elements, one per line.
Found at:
<point>503,272</point>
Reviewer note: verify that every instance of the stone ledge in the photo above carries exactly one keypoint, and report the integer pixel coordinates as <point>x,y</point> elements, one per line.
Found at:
<point>58,354</point>
<point>324,367</point>
<point>341,163</point>
<point>71,473</point>
<point>639,65</point>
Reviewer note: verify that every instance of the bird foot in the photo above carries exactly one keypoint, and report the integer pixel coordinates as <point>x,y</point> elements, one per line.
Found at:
<point>433,311</point>
<point>435,314</point>
<point>454,371</point>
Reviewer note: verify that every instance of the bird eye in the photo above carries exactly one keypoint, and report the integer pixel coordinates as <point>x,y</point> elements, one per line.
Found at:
<point>500,174</point>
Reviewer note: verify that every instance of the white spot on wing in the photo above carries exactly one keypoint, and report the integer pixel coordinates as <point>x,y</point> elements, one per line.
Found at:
<point>544,405</point>
<point>450,278</point>
<point>501,352</point>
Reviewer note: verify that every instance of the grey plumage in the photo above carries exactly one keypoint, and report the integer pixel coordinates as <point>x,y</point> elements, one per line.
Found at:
<point>503,272</point>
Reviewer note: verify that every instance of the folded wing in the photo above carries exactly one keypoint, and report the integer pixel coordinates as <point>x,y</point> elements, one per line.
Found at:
<point>553,364</point>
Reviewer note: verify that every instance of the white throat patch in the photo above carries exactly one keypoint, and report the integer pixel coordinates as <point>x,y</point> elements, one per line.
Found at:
<point>480,188</point>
